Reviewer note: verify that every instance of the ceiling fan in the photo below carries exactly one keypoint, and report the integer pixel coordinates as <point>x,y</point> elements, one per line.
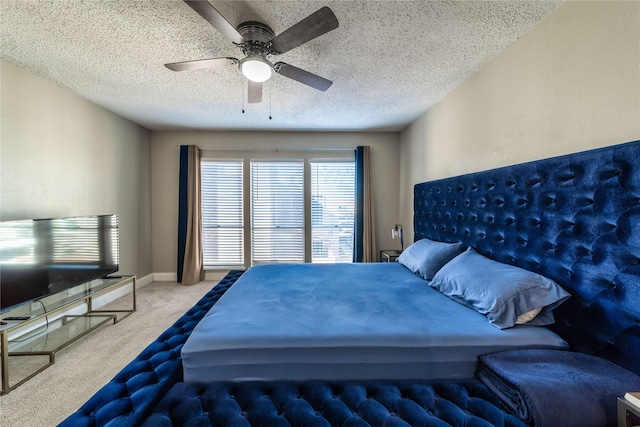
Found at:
<point>257,41</point>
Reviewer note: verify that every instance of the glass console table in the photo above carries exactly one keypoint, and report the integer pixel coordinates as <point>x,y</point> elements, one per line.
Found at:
<point>48,325</point>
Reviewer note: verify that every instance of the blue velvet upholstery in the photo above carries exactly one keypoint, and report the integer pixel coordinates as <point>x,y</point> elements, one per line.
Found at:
<point>325,404</point>
<point>574,219</point>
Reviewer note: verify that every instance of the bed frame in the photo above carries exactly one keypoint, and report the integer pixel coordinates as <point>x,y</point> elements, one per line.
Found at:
<point>574,218</point>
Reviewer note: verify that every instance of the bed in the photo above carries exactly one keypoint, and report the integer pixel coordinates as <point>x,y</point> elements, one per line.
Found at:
<point>343,322</point>
<point>571,219</point>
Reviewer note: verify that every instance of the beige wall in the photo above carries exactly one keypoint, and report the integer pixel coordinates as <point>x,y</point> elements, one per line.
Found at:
<point>164,175</point>
<point>63,156</point>
<point>570,84</point>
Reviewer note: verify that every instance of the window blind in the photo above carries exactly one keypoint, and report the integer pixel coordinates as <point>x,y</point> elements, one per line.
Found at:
<point>277,211</point>
<point>76,240</point>
<point>222,213</point>
<point>332,211</point>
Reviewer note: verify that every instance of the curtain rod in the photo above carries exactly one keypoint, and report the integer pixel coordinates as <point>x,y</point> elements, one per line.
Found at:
<point>272,149</point>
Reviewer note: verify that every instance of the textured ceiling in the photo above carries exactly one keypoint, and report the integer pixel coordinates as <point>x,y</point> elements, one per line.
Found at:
<point>389,60</point>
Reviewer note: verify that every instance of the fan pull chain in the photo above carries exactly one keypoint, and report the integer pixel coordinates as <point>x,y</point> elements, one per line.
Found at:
<point>269,102</point>
<point>242,93</point>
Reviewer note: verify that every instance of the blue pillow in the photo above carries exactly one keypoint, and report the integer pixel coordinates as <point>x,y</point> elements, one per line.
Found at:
<point>425,257</point>
<point>501,292</point>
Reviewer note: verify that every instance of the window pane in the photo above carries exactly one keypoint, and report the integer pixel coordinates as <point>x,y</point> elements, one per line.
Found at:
<point>277,211</point>
<point>332,211</point>
<point>222,226</point>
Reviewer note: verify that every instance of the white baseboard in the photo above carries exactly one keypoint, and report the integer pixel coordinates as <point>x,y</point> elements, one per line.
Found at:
<point>165,277</point>
<point>173,277</point>
<point>144,280</point>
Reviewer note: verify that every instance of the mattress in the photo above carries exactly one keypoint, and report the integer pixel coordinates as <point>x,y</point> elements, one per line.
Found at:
<point>343,322</point>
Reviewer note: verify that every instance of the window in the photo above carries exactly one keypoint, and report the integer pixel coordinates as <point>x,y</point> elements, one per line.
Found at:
<point>332,211</point>
<point>222,213</point>
<point>277,211</point>
<point>257,211</point>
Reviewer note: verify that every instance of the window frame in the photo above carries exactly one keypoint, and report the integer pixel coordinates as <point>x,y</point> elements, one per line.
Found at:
<point>247,155</point>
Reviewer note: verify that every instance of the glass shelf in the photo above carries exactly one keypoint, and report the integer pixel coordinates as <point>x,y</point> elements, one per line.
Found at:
<point>52,303</point>
<point>43,340</point>
<point>54,322</point>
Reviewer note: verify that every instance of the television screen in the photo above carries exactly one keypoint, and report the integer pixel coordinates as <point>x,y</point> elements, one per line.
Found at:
<point>41,257</point>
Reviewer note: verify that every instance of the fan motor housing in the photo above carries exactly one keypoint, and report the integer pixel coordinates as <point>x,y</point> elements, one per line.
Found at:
<point>257,36</point>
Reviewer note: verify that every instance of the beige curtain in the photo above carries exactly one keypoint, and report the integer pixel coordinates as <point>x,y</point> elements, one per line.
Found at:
<point>369,250</point>
<point>193,270</point>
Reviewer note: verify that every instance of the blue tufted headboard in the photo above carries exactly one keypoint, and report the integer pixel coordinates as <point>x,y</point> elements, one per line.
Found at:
<point>574,219</point>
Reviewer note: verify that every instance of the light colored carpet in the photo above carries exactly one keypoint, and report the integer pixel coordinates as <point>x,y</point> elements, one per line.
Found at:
<point>85,366</point>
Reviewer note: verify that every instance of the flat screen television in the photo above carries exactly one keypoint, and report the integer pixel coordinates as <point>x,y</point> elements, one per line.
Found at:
<point>41,257</point>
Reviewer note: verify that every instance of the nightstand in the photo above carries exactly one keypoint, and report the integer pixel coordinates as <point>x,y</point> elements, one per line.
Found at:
<point>389,255</point>
<point>628,413</point>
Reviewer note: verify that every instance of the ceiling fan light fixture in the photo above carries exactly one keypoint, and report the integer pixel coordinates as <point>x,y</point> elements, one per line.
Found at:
<point>256,68</point>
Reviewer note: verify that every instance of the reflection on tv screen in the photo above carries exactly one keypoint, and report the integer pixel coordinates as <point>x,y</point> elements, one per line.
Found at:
<point>43,256</point>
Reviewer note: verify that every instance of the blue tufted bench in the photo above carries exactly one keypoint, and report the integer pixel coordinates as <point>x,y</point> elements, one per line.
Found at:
<point>322,403</point>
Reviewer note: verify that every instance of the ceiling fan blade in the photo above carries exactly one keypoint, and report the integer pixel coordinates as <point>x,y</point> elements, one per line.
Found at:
<point>202,63</point>
<point>213,17</point>
<point>302,76</point>
<point>309,28</point>
<point>254,92</point>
